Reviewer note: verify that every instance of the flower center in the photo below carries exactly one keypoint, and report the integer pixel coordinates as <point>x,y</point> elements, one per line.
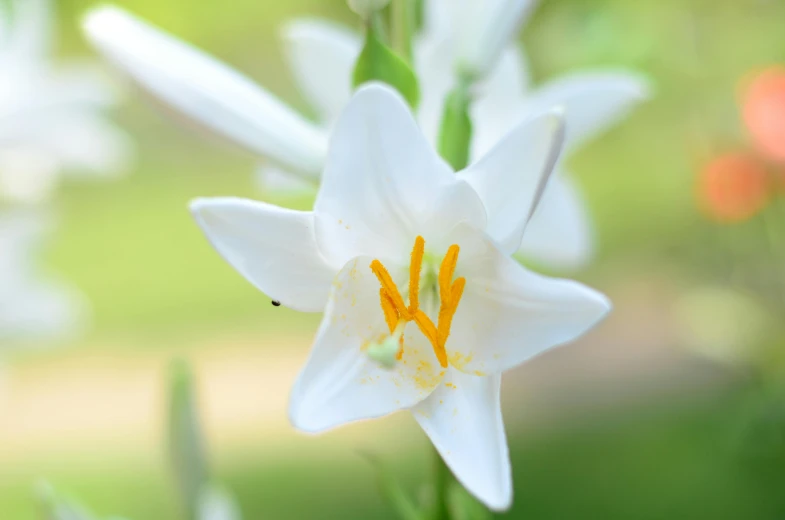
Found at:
<point>397,313</point>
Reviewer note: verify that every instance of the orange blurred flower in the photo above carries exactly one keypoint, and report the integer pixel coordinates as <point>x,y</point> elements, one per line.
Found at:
<point>733,187</point>
<point>763,110</point>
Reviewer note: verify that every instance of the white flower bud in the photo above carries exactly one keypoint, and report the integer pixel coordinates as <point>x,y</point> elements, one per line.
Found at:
<point>366,8</point>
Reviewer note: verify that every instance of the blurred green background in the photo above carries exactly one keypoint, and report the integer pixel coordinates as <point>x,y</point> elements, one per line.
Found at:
<point>626,424</point>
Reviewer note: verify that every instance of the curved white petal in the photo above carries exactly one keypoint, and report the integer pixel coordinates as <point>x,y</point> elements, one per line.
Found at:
<point>560,234</point>
<point>340,383</point>
<point>499,102</point>
<point>593,101</point>
<point>85,143</point>
<point>509,314</point>
<point>208,91</point>
<point>271,180</point>
<point>463,419</point>
<point>384,184</point>
<point>511,178</point>
<point>272,247</point>
<point>322,57</point>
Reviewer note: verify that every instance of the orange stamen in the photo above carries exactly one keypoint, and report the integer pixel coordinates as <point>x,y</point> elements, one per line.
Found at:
<point>396,312</point>
<point>390,313</point>
<point>392,290</point>
<point>415,267</point>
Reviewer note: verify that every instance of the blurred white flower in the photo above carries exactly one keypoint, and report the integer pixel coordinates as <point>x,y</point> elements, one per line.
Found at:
<point>393,222</point>
<point>50,116</point>
<point>217,504</point>
<point>209,91</point>
<point>32,307</point>
<point>365,8</point>
<point>322,56</point>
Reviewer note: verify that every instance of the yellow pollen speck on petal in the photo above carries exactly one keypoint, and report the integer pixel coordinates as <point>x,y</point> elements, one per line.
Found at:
<point>459,361</point>
<point>450,385</point>
<point>441,401</point>
<point>478,373</point>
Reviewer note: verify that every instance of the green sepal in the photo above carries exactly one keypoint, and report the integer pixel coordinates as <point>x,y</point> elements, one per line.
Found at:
<point>455,132</point>
<point>392,491</point>
<point>377,62</point>
<point>186,444</point>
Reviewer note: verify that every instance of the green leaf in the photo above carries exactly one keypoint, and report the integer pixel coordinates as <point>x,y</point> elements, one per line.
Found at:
<point>186,445</point>
<point>455,133</point>
<point>393,492</point>
<point>377,62</point>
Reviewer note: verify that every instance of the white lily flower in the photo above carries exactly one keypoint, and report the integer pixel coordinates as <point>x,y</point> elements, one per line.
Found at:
<point>322,56</point>
<point>208,91</point>
<point>50,117</point>
<point>400,250</point>
<point>31,306</point>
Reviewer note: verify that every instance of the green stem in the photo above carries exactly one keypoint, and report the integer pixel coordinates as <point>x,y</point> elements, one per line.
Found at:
<point>442,477</point>
<point>402,19</point>
<point>455,133</point>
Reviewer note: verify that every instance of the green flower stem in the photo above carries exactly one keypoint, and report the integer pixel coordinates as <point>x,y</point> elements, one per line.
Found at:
<point>403,20</point>
<point>442,477</point>
<point>455,134</point>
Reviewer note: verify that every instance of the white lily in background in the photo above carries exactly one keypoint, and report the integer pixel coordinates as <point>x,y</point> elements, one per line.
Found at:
<point>322,55</point>
<point>410,262</point>
<point>50,116</point>
<point>31,306</point>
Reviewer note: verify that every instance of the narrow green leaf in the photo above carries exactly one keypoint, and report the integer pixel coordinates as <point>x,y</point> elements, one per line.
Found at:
<point>186,445</point>
<point>455,133</point>
<point>393,492</point>
<point>377,62</point>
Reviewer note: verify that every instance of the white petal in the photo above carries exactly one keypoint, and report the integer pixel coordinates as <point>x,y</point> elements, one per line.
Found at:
<point>42,309</point>
<point>31,29</point>
<point>384,184</point>
<point>560,233</point>
<point>340,383</point>
<point>464,422</point>
<point>510,179</point>
<point>27,174</point>
<point>208,91</point>
<point>85,143</point>
<point>322,57</point>
<point>500,102</point>
<point>486,29</point>
<point>593,102</point>
<point>509,314</point>
<point>32,307</point>
<point>271,180</point>
<point>272,247</point>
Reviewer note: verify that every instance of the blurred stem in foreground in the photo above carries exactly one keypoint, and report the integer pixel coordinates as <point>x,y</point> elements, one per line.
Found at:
<point>186,445</point>
<point>403,20</point>
<point>442,478</point>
